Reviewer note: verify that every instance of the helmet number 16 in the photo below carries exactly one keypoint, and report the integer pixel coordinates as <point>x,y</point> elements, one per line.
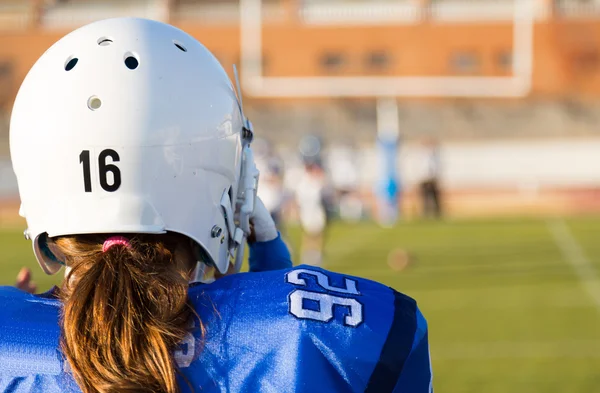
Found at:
<point>103,169</point>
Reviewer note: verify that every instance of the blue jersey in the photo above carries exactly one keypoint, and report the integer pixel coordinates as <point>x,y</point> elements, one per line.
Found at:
<point>300,329</point>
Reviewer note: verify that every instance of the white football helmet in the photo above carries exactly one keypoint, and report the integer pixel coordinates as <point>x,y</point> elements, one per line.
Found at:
<point>132,126</point>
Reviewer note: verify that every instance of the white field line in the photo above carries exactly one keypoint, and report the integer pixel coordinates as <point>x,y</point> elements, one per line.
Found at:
<point>574,255</point>
<point>571,349</point>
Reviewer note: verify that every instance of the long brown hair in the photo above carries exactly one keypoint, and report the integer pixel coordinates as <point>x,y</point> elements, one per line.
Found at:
<point>125,311</point>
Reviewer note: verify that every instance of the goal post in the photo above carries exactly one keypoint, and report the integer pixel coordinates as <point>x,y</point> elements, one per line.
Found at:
<point>255,84</point>
<point>386,89</point>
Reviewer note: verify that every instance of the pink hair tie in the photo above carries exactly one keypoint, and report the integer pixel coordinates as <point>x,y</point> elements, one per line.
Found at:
<point>115,240</point>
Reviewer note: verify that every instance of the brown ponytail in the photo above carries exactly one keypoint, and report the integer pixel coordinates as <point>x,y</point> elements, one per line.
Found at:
<point>125,311</point>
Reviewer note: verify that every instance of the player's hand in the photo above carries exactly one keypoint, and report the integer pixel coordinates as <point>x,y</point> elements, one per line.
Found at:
<point>262,226</point>
<point>24,281</point>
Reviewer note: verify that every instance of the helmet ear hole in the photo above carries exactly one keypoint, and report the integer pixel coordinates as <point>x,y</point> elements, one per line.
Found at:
<point>104,41</point>
<point>180,46</point>
<point>71,63</point>
<point>131,61</point>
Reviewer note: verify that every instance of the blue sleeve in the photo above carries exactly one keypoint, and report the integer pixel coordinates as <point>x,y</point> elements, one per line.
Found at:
<point>416,375</point>
<point>271,255</point>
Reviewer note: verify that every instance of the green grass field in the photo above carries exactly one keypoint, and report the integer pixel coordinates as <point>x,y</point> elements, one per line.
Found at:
<point>513,305</point>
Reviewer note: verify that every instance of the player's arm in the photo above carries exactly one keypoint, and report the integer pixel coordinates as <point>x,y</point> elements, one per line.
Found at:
<point>416,375</point>
<point>267,249</point>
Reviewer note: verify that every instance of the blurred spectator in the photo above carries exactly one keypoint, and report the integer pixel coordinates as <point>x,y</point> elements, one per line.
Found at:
<point>429,187</point>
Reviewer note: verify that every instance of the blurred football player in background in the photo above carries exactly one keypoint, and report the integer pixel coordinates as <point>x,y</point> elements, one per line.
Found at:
<point>388,189</point>
<point>132,158</point>
<point>314,198</point>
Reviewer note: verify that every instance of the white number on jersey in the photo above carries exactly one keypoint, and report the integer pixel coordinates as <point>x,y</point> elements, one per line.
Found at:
<point>323,303</point>
<point>293,277</point>
<point>326,303</point>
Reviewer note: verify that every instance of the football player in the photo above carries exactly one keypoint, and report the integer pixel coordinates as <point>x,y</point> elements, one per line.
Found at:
<point>314,198</point>
<point>131,155</point>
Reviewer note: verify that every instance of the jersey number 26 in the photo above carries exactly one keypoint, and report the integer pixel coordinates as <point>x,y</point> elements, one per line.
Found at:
<point>319,306</point>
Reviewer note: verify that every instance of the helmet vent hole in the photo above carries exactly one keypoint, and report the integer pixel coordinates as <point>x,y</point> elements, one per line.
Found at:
<point>104,41</point>
<point>131,61</point>
<point>180,46</point>
<point>94,103</point>
<point>70,64</point>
